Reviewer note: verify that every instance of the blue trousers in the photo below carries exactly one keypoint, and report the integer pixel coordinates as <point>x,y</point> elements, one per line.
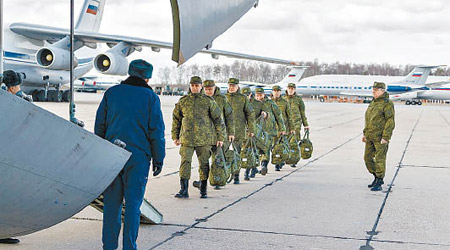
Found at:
<point>128,185</point>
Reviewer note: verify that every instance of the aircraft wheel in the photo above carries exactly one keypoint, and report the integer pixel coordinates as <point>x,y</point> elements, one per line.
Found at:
<point>54,96</point>
<point>321,99</point>
<point>66,96</point>
<point>419,103</point>
<point>408,102</point>
<point>40,96</point>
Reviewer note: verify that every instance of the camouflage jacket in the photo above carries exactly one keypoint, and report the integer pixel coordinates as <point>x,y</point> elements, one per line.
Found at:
<point>286,113</point>
<point>380,122</point>
<point>243,114</point>
<point>274,122</point>
<point>197,121</point>
<point>226,109</point>
<point>297,109</point>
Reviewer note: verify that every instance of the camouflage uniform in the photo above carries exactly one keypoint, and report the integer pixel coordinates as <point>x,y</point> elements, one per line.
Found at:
<point>379,124</point>
<point>243,116</point>
<point>286,112</point>
<point>198,124</point>
<point>298,111</point>
<point>273,124</point>
<point>225,107</point>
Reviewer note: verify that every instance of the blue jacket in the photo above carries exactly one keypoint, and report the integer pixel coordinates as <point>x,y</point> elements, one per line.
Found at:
<point>131,112</point>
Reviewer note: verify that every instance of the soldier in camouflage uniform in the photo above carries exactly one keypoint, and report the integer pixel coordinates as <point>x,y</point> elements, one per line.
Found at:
<point>379,124</point>
<point>285,112</point>
<point>259,110</point>
<point>211,90</point>
<point>297,109</point>
<point>243,115</point>
<point>197,126</point>
<point>273,123</point>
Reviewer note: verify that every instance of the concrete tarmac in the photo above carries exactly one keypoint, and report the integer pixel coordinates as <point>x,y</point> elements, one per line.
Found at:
<point>324,203</point>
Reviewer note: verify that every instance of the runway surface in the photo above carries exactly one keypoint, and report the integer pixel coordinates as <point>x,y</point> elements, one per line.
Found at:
<point>324,203</point>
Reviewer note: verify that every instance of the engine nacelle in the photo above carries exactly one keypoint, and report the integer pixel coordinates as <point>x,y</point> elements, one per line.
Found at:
<point>111,63</point>
<point>54,58</point>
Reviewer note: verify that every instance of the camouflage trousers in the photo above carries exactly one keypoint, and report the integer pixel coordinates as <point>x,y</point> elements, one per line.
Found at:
<point>375,157</point>
<point>203,155</point>
<point>265,156</point>
<point>238,144</point>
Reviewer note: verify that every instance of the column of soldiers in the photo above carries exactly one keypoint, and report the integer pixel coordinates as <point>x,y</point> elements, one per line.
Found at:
<point>205,118</point>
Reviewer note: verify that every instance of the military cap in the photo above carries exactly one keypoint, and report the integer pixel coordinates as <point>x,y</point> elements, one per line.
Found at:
<point>379,85</point>
<point>209,83</point>
<point>196,80</point>
<point>233,81</point>
<point>259,90</point>
<point>246,91</point>
<point>291,85</point>
<point>11,78</point>
<point>141,69</point>
<point>276,88</point>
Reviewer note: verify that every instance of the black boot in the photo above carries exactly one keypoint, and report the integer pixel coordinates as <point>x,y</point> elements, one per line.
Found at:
<point>264,167</point>
<point>377,186</point>
<point>293,166</point>
<point>196,184</point>
<point>184,189</point>
<point>253,172</point>
<point>9,241</point>
<point>247,172</point>
<point>373,182</point>
<point>282,164</point>
<point>236,179</point>
<point>277,168</point>
<point>203,186</point>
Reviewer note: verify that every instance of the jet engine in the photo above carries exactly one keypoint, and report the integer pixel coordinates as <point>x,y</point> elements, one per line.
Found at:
<point>111,63</point>
<point>54,58</point>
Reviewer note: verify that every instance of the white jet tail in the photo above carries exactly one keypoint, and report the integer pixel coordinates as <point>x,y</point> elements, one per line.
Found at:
<point>419,75</point>
<point>294,75</point>
<point>91,16</point>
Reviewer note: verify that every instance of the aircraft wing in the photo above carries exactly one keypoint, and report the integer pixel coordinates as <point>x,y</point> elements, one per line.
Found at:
<point>51,34</point>
<point>436,84</point>
<point>196,23</point>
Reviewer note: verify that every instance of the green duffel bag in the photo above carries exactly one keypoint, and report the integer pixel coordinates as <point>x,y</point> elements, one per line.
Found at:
<point>262,139</point>
<point>294,150</point>
<point>218,173</point>
<point>232,161</point>
<point>306,146</point>
<point>249,153</point>
<point>280,152</point>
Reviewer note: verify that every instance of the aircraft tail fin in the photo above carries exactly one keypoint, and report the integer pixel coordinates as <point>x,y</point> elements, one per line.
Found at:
<point>419,75</point>
<point>294,75</point>
<point>91,16</point>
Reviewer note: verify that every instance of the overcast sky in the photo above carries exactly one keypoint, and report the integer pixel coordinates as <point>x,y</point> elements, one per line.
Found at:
<point>360,31</point>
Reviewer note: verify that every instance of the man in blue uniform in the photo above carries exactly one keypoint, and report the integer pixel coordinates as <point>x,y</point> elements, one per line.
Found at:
<point>13,80</point>
<point>131,113</point>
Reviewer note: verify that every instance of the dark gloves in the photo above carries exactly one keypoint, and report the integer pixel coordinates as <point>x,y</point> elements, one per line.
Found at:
<point>157,168</point>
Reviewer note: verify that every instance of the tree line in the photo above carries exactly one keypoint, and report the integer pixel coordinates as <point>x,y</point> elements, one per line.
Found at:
<point>268,73</point>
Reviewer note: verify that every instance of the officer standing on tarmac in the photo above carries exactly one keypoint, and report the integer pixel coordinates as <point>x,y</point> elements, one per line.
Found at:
<point>130,112</point>
<point>211,90</point>
<point>297,109</point>
<point>273,124</point>
<point>379,125</point>
<point>13,80</point>
<point>197,126</point>
<point>243,116</point>
<point>285,112</point>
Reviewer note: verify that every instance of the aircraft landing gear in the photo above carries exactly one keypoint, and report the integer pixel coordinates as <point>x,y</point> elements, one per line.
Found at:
<point>408,102</point>
<point>66,96</point>
<point>321,99</point>
<point>39,96</point>
<point>55,96</point>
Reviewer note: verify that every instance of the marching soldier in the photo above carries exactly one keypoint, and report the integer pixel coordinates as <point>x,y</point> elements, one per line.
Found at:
<point>260,110</point>
<point>379,125</point>
<point>197,126</point>
<point>273,124</point>
<point>243,116</point>
<point>297,109</point>
<point>211,90</point>
<point>285,112</point>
